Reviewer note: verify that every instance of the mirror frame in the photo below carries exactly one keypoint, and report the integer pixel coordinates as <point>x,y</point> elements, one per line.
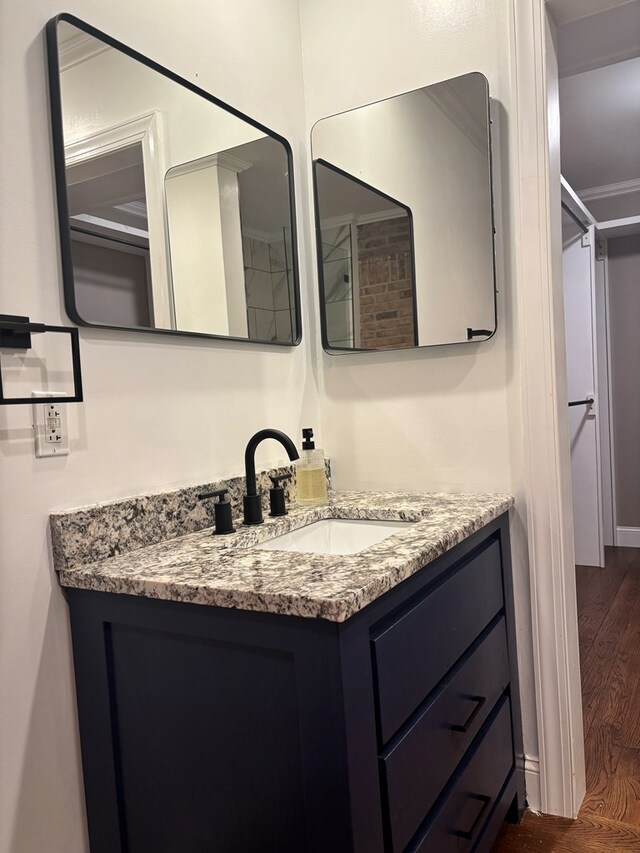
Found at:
<point>57,136</point>
<point>330,350</point>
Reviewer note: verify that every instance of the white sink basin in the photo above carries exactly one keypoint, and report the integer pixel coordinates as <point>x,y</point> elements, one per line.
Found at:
<point>334,536</point>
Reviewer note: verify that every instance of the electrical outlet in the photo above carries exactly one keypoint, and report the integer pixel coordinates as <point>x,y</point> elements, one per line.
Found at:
<point>50,425</point>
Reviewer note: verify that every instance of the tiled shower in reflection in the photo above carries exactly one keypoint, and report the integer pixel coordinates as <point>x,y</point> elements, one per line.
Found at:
<point>269,286</point>
<point>338,273</point>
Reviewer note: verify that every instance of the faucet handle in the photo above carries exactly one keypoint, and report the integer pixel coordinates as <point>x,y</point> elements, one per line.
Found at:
<point>276,495</point>
<point>219,494</point>
<point>222,511</point>
<point>279,478</point>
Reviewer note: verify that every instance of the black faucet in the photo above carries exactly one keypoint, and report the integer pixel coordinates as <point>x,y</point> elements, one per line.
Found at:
<point>251,501</point>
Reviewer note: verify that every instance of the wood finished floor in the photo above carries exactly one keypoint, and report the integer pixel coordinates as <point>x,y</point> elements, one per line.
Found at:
<point>609,623</point>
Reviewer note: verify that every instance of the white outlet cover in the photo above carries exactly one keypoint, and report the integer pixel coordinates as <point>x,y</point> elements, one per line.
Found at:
<point>50,429</point>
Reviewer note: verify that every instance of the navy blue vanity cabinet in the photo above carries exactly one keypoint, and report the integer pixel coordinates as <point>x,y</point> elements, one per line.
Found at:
<point>213,730</point>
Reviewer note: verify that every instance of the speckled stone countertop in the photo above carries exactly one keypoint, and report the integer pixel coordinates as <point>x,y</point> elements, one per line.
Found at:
<point>226,571</point>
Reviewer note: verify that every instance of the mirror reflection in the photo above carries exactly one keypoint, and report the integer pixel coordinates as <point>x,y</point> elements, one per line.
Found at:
<point>404,219</point>
<point>178,212</point>
<point>367,265</point>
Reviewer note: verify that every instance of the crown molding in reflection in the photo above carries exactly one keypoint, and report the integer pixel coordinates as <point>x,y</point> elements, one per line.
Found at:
<point>144,129</point>
<point>365,218</point>
<point>79,48</point>
<point>444,97</point>
<point>221,160</point>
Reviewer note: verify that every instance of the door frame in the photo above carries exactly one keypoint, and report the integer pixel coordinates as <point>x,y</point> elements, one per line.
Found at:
<point>556,777</point>
<point>146,130</point>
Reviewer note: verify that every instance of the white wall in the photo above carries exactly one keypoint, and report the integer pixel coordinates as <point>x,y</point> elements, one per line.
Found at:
<point>624,307</point>
<point>159,412</point>
<point>444,412</point>
<point>447,418</point>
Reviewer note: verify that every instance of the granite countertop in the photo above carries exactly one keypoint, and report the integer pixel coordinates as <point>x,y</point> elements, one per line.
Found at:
<point>226,571</point>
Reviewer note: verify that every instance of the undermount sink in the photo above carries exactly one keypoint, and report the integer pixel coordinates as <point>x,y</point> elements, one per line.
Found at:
<point>334,536</point>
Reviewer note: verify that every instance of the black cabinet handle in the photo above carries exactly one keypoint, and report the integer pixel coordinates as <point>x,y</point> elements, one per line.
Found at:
<point>587,402</point>
<point>480,700</point>
<point>468,834</point>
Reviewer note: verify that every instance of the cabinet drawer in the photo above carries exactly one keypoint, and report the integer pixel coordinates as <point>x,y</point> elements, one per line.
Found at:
<point>460,820</point>
<point>418,767</point>
<point>498,815</point>
<point>413,653</point>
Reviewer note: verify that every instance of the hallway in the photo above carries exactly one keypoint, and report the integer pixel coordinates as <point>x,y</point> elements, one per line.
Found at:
<point>609,623</point>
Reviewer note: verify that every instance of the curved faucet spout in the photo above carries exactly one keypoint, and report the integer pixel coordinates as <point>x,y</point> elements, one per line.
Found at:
<point>250,454</point>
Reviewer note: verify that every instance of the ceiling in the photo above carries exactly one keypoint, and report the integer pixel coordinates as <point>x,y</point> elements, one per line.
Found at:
<point>600,125</point>
<point>599,40</point>
<point>564,11</point>
<point>599,62</point>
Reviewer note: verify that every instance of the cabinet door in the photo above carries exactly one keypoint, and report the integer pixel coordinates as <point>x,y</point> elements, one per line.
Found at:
<point>204,747</point>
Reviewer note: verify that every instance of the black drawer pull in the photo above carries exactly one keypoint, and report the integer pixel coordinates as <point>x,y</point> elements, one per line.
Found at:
<point>480,700</point>
<point>486,802</point>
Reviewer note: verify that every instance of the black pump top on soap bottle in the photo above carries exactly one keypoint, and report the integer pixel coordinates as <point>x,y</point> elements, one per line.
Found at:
<point>307,439</point>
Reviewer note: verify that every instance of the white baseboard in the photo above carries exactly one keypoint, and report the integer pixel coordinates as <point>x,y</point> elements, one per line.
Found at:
<point>532,782</point>
<point>628,537</point>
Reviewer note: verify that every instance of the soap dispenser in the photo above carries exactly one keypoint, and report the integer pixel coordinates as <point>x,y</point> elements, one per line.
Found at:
<point>311,477</point>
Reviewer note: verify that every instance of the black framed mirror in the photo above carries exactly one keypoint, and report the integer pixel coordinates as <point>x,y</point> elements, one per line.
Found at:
<point>405,220</point>
<point>176,211</point>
